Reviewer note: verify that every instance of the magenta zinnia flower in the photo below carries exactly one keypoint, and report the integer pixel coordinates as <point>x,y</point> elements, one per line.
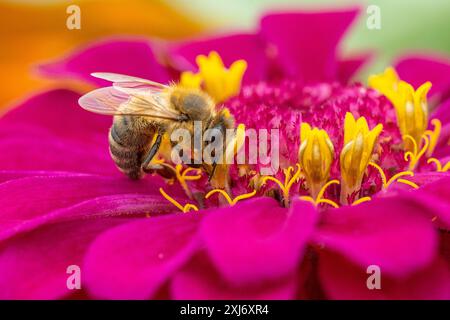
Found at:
<point>363,180</point>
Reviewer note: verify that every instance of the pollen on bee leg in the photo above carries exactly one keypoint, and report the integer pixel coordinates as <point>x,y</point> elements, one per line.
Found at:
<point>221,180</point>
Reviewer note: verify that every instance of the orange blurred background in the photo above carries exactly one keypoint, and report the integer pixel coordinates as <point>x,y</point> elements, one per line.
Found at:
<point>33,32</point>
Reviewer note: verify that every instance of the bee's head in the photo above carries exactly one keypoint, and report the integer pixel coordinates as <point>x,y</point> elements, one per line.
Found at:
<point>222,120</point>
<point>218,170</point>
<point>195,104</point>
<point>216,129</point>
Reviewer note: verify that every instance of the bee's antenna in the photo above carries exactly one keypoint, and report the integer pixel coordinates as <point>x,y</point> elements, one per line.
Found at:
<point>214,166</point>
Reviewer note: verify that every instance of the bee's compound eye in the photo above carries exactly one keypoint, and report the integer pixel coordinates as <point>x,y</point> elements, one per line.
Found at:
<point>195,106</point>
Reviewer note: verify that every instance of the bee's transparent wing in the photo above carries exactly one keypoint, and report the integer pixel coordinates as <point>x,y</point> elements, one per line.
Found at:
<point>111,101</point>
<point>123,81</point>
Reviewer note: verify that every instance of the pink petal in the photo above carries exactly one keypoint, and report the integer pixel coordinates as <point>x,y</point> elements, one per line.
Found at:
<point>257,239</point>
<point>348,67</point>
<point>125,204</point>
<point>393,233</point>
<point>22,201</point>
<point>442,149</point>
<point>442,113</point>
<point>343,280</point>
<point>132,57</point>
<point>434,199</point>
<point>424,178</point>
<point>307,41</point>
<point>445,246</point>
<point>57,113</point>
<point>7,175</point>
<point>250,48</point>
<point>421,179</point>
<point>34,265</point>
<point>198,280</point>
<point>134,260</point>
<point>44,133</point>
<point>417,69</point>
<point>34,152</point>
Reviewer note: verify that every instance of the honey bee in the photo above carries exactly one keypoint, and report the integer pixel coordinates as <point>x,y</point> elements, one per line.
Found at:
<point>144,113</point>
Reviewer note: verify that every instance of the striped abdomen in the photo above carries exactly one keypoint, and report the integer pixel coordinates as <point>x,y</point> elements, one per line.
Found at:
<point>130,139</point>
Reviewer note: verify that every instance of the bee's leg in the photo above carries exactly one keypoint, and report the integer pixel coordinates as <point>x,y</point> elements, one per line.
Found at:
<point>152,167</point>
<point>152,152</point>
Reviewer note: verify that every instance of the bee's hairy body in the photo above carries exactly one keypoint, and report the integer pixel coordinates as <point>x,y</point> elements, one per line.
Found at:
<point>131,137</point>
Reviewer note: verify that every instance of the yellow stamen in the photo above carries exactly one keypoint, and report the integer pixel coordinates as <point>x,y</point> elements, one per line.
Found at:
<point>411,105</point>
<point>382,174</point>
<point>315,156</point>
<point>359,143</point>
<point>308,198</point>
<point>415,155</point>
<point>219,82</point>
<point>386,82</point>
<point>329,202</point>
<point>232,202</point>
<point>222,192</point>
<point>319,199</point>
<point>288,182</point>
<point>409,183</point>
<point>186,208</point>
<point>244,196</point>
<point>397,176</point>
<point>434,135</point>
<point>361,200</point>
<point>182,176</point>
<point>191,80</point>
<point>439,167</point>
<point>394,178</point>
